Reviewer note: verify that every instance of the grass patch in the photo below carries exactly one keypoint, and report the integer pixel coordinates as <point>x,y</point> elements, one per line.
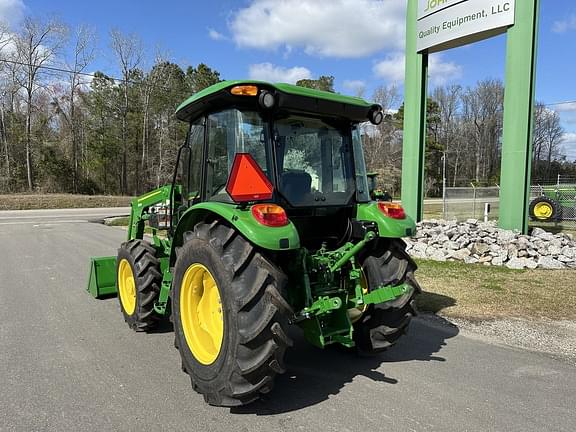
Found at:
<point>476,291</point>
<point>118,221</point>
<point>494,285</point>
<point>123,221</point>
<point>54,201</point>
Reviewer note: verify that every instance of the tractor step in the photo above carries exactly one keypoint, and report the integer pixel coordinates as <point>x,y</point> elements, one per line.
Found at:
<point>102,280</point>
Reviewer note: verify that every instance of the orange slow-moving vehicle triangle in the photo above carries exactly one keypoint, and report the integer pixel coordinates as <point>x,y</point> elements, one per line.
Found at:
<point>247,181</point>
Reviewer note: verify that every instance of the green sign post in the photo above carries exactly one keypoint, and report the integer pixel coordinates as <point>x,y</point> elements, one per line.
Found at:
<point>435,25</point>
<point>518,117</point>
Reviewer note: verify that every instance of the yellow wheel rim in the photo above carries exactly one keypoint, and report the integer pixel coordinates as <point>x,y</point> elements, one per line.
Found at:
<point>201,313</point>
<point>543,210</point>
<point>356,313</point>
<point>127,287</point>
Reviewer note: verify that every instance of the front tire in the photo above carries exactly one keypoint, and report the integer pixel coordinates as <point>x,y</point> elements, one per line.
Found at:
<point>381,325</point>
<point>138,281</point>
<point>233,361</point>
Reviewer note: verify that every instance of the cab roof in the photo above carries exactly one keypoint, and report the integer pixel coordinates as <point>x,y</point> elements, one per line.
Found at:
<point>289,97</point>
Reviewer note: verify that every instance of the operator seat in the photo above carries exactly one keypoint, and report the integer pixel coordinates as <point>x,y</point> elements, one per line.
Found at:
<point>295,185</point>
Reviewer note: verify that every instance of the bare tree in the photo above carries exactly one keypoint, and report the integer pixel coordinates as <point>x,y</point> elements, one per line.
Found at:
<point>156,78</point>
<point>8,95</point>
<point>379,147</point>
<point>482,115</point>
<point>82,56</point>
<point>387,96</point>
<point>129,53</point>
<point>450,130</point>
<point>539,135</point>
<point>5,40</point>
<point>550,135</point>
<point>36,44</point>
<point>383,143</point>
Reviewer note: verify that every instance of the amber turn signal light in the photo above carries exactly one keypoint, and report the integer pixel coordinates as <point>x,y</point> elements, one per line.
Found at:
<point>244,90</point>
<point>392,210</point>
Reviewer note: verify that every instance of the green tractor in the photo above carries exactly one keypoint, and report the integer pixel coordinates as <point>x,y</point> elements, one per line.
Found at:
<point>376,193</point>
<point>269,224</point>
<point>554,203</point>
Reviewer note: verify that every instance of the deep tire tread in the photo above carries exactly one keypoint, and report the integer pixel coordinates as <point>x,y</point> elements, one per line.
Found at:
<point>383,324</point>
<point>146,269</point>
<point>261,312</point>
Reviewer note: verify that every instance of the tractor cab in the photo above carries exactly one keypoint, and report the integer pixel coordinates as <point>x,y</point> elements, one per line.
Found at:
<point>309,150</point>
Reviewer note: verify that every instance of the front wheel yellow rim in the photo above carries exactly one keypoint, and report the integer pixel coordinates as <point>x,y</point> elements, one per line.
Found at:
<point>543,210</point>
<point>201,313</point>
<point>127,287</point>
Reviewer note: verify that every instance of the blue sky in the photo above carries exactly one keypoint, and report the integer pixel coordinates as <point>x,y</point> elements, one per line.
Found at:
<point>360,42</point>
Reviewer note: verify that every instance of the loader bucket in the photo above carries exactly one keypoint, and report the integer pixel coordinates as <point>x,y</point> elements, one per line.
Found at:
<point>102,281</point>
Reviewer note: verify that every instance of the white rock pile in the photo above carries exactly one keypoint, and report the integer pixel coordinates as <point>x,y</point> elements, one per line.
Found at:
<point>484,243</point>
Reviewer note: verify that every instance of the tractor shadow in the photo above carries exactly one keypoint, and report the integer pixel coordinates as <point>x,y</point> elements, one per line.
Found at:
<point>163,326</point>
<point>313,375</point>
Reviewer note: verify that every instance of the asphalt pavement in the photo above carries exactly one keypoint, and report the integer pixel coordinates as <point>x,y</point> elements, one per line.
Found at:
<point>68,362</point>
<point>58,216</point>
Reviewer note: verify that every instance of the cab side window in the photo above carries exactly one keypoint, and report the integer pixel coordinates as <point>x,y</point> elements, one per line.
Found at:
<point>220,141</point>
<point>196,142</point>
<point>229,132</point>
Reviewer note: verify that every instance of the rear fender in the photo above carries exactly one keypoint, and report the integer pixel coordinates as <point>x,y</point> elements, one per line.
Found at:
<point>271,238</point>
<point>387,227</point>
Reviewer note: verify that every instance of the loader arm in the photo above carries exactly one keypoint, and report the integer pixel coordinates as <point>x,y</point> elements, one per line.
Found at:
<point>102,278</point>
<point>141,204</point>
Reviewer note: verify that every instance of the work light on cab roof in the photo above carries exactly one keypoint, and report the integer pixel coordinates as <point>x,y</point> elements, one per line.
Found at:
<point>265,98</point>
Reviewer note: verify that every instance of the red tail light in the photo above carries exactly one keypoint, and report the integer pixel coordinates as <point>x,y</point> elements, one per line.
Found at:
<point>271,215</point>
<point>392,210</point>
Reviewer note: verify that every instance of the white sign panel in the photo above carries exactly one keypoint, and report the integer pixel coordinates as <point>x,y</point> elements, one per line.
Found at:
<point>461,22</point>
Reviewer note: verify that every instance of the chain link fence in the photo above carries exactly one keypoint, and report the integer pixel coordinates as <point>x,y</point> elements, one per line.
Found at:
<point>552,206</point>
<point>461,203</point>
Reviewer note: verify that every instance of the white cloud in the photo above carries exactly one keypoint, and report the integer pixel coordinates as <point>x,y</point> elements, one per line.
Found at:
<point>569,138</point>
<point>357,87</point>
<point>569,145</point>
<point>391,68</point>
<point>339,28</point>
<point>11,11</point>
<point>565,107</point>
<point>567,112</point>
<point>273,73</point>
<point>565,25</point>
<point>215,35</point>
<point>439,72</point>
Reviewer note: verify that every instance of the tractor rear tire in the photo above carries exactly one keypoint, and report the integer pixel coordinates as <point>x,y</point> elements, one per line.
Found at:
<point>230,316</point>
<point>381,325</point>
<point>543,209</point>
<point>138,281</point>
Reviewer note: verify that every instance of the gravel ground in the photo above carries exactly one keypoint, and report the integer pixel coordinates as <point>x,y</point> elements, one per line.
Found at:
<point>557,338</point>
